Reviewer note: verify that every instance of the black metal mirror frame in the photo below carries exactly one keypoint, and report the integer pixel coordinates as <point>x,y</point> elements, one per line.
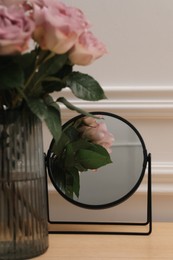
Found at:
<point>147,161</point>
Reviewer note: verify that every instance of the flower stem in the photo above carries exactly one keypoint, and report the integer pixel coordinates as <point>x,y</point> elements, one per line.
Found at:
<point>40,59</point>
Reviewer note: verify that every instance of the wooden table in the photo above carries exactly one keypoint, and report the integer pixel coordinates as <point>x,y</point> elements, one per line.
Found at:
<point>157,246</point>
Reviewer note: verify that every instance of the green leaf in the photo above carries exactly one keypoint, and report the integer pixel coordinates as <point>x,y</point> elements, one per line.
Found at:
<point>69,190</point>
<point>70,153</point>
<point>69,161</point>
<point>26,61</point>
<point>68,135</point>
<point>84,155</point>
<point>49,113</point>
<point>92,159</point>
<point>76,181</point>
<point>51,84</point>
<point>53,119</point>
<point>58,172</point>
<point>66,69</point>
<point>72,182</point>
<point>11,76</point>
<point>66,179</point>
<point>99,149</point>
<point>38,107</point>
<point>58,147</point>
<point>80,143</point>
<point>52,65</point>
<point>53,122</point>
<point>84,86</point>
<point>72,133</point>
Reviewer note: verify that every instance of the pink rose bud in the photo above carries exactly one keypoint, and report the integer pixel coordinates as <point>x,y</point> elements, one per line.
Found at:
<point>87,49</point>
<point>57,26</point>
<point>89,121</point>
<point>97,133</point>
<point>15,30</point>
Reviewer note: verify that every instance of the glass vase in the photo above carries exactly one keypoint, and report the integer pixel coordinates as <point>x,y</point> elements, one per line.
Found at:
<point>23,203</point>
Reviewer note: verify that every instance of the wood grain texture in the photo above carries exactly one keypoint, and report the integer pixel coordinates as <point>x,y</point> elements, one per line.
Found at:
<point>159,245</point>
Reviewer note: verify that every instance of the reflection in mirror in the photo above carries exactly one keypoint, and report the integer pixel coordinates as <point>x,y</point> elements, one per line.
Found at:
<point>113,181</point>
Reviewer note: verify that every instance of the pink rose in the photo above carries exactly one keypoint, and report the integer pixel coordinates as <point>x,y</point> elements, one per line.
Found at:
<point>15,30</point>
<point>97,133</point>
<point>57,26</point>
<point>11,2</point>
<point>87,49</point>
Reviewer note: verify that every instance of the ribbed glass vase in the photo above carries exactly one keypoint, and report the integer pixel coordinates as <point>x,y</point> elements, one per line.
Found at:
<point>23,204</point>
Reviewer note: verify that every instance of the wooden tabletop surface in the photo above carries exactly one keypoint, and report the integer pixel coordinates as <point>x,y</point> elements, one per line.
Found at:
<point>157,246</point>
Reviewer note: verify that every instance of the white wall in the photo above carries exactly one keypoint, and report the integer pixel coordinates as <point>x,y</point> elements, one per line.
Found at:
<point>139,37</point>
<point>137,75</point>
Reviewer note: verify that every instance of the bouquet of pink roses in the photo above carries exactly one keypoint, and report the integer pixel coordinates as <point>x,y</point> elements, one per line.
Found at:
<point>60,38</point>
<point>40,42</point>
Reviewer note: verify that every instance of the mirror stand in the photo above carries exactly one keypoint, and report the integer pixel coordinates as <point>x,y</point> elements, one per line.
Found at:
<point>106,227</point>
<point>83,199</point>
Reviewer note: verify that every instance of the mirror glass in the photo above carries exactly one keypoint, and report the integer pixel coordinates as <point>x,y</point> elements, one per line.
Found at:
<point>112,183</point>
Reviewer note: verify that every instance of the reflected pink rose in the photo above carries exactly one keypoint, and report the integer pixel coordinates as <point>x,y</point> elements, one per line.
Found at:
<point>15,30</point>
<point>97,133</point>
<point>86,49</point>
<point>57,26</point>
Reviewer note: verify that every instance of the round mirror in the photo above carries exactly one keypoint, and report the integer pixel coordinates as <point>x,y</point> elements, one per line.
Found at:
<point>114,180</point>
